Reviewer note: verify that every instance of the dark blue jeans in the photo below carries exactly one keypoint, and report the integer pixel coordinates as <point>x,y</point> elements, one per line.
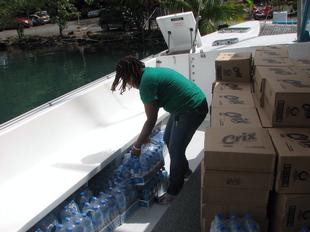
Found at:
<point>178,133</point>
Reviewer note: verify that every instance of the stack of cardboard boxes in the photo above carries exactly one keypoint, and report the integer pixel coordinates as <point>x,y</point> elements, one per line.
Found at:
<point>238,166</point>
<point>282,97</point>
<point>257,150</point>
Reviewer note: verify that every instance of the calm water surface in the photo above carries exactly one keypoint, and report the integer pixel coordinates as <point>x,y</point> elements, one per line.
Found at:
<point>30,79</point>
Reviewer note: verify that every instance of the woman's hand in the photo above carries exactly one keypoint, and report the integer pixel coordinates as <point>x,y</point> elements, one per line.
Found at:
<point>136,151</point>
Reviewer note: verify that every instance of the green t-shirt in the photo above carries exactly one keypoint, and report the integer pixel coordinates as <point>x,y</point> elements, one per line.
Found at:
<point>174,92</point>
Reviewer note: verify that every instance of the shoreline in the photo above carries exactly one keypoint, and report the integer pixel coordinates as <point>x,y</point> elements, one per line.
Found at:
<point>76,39</point>
<point>85,32</point>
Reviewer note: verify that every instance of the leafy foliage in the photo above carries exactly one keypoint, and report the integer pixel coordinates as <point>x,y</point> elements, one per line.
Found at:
<point>212,12</point>
<point>216,12</point>
<point>61,12</point>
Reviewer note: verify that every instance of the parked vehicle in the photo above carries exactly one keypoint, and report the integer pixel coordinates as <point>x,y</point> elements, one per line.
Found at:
<point>16,23</point>
<point>117,18</point>
<point>93,13</point>
<point>44,16</point>
<point>36,20</point>
<point>25,22</point>
<point>262,10</point>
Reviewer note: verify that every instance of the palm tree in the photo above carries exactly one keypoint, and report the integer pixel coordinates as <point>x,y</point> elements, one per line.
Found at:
<point>216,12</point>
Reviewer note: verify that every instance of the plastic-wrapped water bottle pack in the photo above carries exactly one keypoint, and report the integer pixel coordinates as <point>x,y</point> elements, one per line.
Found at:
<point>234,223</point>
<point>136,178</point>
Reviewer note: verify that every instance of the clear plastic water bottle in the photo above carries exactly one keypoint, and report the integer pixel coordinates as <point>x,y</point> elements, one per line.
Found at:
<point>87,208</point>
<point>105,211</point>
<point>77,220</point>
<point>145,164</point>
<point>38,230</point>
<point>233,220</point>
<point>60,228</point>
<point>126,158</point>
<point>155,149</point>
<point>94,213</point>
<point>220,227</point>
<point>250,224</point>
<point>157,137</point>
<point>66,221</point>
<point>125,172</point>
<point>163,182</point>
<point>78,226</point>
<point>252,227</point>
<point>152,152</point>
<point>131,192</point>
<point>112,207</point>
<point>124,187</point>
<point>68,224</point>
<point>218,220</point>
<point>96,217</point>
<point>49,223</point>
<point>147,154</point>
<point>84,197</point>
<point>237,228</point>
<point>120,200</point>
<point>136,170</point>
<point>69,228</point>
<point>69,209</point>
<point>93,200</point>
<point>74,206</point>
<point>87,223</point>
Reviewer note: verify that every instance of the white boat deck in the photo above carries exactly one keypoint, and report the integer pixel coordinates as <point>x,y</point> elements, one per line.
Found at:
<point>46,157</point>
<point>76,143</point>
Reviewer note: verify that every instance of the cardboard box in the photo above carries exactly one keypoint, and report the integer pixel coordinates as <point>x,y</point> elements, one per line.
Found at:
<point>231,66</point>
<point>260,60</point>
<point>287,101</point>
<point>234,117</point>
<point>248,197</point>
<point>264,120</point>
<point>243,149</point>
<point>262,73</point>
<point>304,70</point>
<point>232,99</point>
<point>293,165</point>
<point>274,50</point>
<point>228,87</point>
<point>291,212</point>
<point>238,180</point>
<point>301,62</point>
<point>271,53</point>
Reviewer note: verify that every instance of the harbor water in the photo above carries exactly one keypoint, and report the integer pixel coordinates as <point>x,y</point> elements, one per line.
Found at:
<point>29,79</point>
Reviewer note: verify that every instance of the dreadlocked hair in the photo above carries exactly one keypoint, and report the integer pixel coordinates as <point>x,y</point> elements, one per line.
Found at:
<point>127,67</point>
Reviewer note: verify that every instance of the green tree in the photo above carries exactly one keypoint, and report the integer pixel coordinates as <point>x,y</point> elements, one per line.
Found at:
<point>61,12</point>
<point>11,9</point>
<point>216,12</point>
<point>140,10</point>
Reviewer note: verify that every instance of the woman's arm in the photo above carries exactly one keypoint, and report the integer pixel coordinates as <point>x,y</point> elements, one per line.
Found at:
<point>151,111</point>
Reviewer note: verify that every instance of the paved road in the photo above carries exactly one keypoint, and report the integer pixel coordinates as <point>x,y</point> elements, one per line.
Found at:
<point>52,29</point>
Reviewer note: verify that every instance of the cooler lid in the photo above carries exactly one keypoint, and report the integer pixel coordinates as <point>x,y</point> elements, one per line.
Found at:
<point>179,31</point>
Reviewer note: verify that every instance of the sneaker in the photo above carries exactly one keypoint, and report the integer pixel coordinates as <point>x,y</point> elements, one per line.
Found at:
<point>187,175</point>
<point>166,199</point>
